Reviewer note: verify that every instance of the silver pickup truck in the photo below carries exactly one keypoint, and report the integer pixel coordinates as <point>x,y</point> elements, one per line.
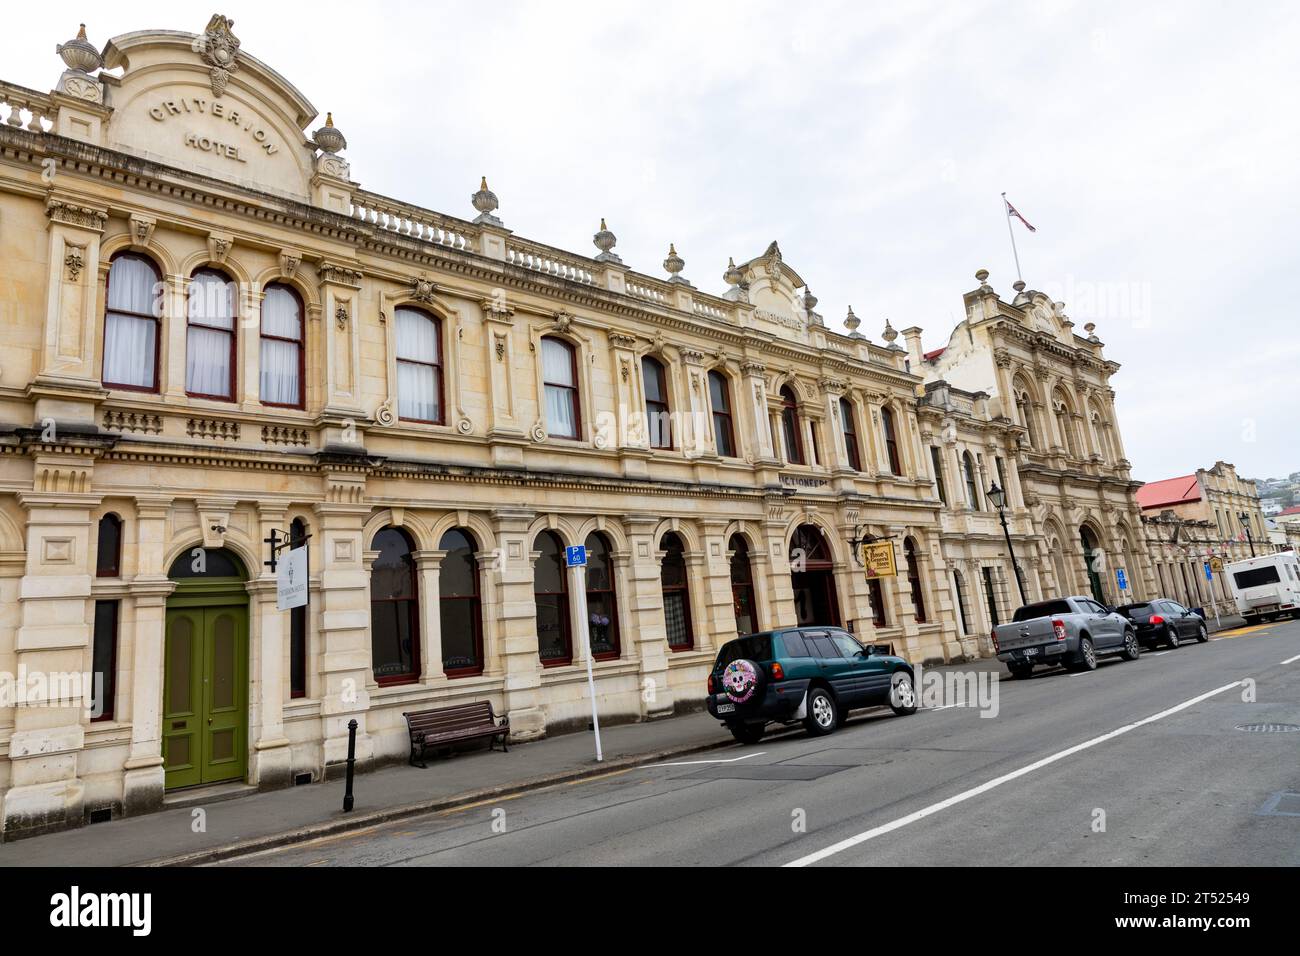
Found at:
<point>1073,631</point>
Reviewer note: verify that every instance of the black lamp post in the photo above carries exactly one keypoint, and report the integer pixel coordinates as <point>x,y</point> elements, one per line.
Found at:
<point>999,499</point>
<point>1245,523</point>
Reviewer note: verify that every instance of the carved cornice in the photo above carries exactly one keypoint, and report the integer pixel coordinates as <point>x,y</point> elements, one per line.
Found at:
<point>76,214</point>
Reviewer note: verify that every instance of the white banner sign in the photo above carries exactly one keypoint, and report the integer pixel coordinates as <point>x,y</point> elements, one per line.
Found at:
<point>291,579</point>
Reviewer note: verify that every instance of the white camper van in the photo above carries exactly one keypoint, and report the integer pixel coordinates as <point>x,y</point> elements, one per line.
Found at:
<point>1266,587</point>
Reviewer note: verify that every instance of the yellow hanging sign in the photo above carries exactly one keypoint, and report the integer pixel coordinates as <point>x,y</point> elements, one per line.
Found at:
<point>878,559</point>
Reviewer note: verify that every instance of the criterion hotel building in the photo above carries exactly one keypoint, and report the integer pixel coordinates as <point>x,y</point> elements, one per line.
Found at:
<point>212,332</point>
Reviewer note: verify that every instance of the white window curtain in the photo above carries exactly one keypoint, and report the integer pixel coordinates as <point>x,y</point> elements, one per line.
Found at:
<point>130,337</point>
<point>209,337</point>
<point>561,388</point>
<point>281,351</point>
<point>419,386</point>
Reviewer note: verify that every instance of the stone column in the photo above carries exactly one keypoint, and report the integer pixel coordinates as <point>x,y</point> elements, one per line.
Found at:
<point>504,432</point>
<point>143,779</point>
<point>753,399</point>
<point>341,294</point>
<point>249,343</point>
<point>268,636</point>
<point>718,604</point>
<point>53,639</point>
<point>646,612</point>
<point>344,640</point>
<point>518,623</point>
<point>428,565</point>
<point>780,591</point>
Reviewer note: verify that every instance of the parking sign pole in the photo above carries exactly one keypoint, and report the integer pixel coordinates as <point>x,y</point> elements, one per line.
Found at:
<point>579,581</point>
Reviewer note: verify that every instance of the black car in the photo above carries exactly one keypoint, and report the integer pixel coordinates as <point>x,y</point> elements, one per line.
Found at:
<point>808,675</point>
<point>1165,621</point>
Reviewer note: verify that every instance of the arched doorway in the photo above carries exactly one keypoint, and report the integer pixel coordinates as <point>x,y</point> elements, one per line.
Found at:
<point>813,579</point>
<point>1094,563</point>
<point>205,670</point>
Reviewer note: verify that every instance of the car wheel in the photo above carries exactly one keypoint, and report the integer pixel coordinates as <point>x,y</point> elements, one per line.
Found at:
<point>1020,671</point>
<point>1202,634</point>
<point>1087,655</point>
<point>1171,637</point>
<point>1131,650</point>
<point>822,712</point>
<point>747,734</point>
<point>902,695</point>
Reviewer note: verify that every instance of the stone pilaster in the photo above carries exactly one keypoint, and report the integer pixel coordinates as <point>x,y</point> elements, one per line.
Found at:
<point>517,627</point>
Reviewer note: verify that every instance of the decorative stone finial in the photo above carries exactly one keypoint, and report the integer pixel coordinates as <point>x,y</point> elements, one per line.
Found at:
<point>809,300</point>
<point>889,335</point>
<point>1091,329</point>
<point>79,54</point>
<point>674,264</point>
<point>604,240</point>
<point>851,322</point>
<point>733,275</point>
<point>485,201</point>
<point>983,276</point>
<point>1018,285</point>
<point>328,138</point>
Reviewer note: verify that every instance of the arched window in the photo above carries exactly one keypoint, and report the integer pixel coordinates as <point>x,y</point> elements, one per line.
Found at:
<point>560,383</point>
<point>742,587</point>
<point>891,440</point>
<point>940,484</point>
<point>1025,406</point>
<point>551,595</point>
<point>914,579</point>
<point>848,418</point>
<point>677,594</point>
<point>972,482</point>
<point>878,616</point>
<point>210,336</point>
<point>791,427</point>
<point>419,367</point>
<point>724,434</point>
<point>602,601</point>
<point>394,609</point>
<point>959,586</point>
<point>298,623</point>
<point>108,550</point>
<point>1103,438</point>
<point>282,357</point>
<point>658,423</point>
<point>1094,559</point>
<point>131,338</point>
<point>460,608</point>
<point>1065,425</point>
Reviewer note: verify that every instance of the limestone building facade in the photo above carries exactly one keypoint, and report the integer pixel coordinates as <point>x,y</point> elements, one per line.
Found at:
<point>214,336</point>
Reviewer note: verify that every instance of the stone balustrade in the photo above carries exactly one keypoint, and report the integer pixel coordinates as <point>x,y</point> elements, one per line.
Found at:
<point>38,106</point>
<point>414,222</point>
<point>548,261</point>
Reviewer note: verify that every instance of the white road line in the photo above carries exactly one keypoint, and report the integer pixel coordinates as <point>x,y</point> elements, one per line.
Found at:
<point>696,763</point>
<point>1292,660</point>
<point>965,795</point>
<point>1157,654</point>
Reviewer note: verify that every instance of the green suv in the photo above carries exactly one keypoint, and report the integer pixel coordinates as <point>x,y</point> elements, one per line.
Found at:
<point>808,675</point>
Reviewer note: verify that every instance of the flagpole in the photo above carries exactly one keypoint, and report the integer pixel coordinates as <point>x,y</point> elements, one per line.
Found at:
<point>1006,214</point>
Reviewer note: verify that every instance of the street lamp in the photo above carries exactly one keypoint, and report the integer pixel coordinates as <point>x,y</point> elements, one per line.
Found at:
<point>1245,523</point>
<point>999,499</point>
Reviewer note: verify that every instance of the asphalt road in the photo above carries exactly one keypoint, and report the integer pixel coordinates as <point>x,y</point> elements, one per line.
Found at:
<point>1135,764</point>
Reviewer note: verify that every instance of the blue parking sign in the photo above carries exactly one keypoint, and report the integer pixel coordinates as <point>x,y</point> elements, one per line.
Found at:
<point>575,556</point>
<point>1209,572</point>
<point>1121,579</point>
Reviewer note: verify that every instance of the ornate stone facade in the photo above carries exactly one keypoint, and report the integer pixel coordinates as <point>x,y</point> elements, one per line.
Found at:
<point>469,398</point>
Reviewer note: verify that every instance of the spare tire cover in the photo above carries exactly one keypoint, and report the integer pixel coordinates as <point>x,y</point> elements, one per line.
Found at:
<point>741,681</point>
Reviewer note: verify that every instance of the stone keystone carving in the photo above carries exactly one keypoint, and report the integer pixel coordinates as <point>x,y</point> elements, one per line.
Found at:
<point>423,290</point>
<point>219,48</point>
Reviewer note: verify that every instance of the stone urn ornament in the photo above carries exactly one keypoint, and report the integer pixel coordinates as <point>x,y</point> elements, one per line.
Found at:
<point>328,138</point>
<point>79,54</point>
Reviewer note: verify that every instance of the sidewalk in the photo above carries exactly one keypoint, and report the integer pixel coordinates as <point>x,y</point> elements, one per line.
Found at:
<point>262,820</point>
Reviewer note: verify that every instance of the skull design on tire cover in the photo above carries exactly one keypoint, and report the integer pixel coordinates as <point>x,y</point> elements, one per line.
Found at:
<point>739,681</point>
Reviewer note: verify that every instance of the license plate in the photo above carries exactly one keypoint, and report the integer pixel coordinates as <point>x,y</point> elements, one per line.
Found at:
<point>726,708</point>
<point>1030,651</point>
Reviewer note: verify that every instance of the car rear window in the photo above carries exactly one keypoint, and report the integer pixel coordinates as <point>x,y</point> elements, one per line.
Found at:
<point>1256,577</point>
<point>1142,610</point>
<point>756,647</point>
<point>1045,609</point>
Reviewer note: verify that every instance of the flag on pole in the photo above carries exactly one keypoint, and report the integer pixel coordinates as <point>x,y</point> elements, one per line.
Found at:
<point>1015,214</point>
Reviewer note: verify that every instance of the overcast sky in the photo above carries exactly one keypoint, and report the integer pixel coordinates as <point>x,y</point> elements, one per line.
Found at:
<point>1156,148</point>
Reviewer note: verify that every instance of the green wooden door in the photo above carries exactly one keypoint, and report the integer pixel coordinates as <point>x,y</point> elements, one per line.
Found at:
<point>205,707</point>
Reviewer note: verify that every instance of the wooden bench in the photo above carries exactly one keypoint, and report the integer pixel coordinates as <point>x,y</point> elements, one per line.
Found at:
<point>446,725</point>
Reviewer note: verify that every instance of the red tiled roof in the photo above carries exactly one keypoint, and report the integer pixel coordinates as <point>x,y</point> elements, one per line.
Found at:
<point>1295,510</point>
<point>931,356</point>
<point>1171,491</point>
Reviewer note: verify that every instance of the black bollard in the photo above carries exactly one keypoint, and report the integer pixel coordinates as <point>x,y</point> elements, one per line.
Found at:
<point>352,762</point>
